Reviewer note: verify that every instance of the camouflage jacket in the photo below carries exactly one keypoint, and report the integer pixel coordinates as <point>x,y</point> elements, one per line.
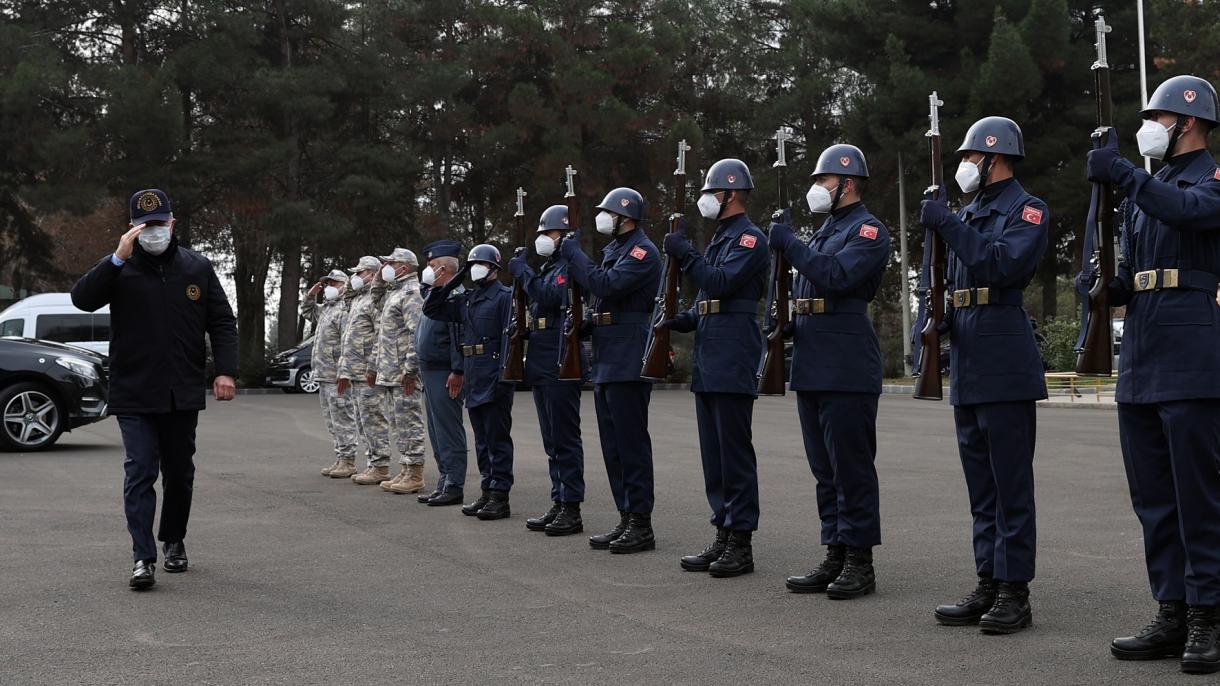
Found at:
<point>330,320</point>
<point>360,335</point>
<point>400,315</point>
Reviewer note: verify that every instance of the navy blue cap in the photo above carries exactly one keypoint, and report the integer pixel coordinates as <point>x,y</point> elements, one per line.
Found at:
<point>150,205</point>
<point>442,248</point>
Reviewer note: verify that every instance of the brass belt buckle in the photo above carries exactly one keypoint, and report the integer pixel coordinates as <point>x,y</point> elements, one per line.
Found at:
<point>603,319</point>
<point>817,306</point>
<point>1147,280</point>
<point>540,323</point>
<point>1169,278</point>
<point>801,306</point>
<point>709,307</point>
<point>982,296</point>
<point>961,298</point>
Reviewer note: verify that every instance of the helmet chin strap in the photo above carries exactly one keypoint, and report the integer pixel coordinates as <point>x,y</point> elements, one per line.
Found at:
<point>724,205</point>
<point>1173,137</point>
<point>985,169</point>
<point>838,195</point>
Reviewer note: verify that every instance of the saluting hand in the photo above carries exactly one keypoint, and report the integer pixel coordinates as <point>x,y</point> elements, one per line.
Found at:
<point>224,387</point>
<point>127,244</point>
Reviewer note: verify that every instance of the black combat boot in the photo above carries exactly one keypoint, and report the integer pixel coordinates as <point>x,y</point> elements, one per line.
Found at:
<point>857,578</point>
<point>602,541</point>
<point>1202,654</point>
<point>969,610</point>
<point>820,577</point>
<point>1165,636</point>
<point>701,562</point>
<point>737,558</point>
<point>425,497</point>
<point>539,523</point>
<point>638,536</point>
<point>496,507</point>
<point>472,509</point>
<point>567,522</point>
<point>1011,611</point>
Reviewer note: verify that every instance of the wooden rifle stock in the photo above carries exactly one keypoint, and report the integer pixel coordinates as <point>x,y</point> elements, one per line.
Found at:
<point>656,364</point>
<point>772,376</point>
<point>931,385</point>
<point>570,346</point>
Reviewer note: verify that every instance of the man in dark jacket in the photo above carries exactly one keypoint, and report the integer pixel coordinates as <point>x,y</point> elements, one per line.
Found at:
<point>163,298</point>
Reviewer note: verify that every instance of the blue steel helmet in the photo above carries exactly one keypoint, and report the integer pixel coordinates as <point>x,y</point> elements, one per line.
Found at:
<point>485,253</point>
<point>728,175</point>
<point>624,202</point>
<point>842,160</point>
<point>554,218</point>
<point>1189,96</point>
<point>995,135</point>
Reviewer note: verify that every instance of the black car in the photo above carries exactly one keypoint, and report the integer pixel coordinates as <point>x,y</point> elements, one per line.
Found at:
<point>292,370</point>
<point>46,389</point>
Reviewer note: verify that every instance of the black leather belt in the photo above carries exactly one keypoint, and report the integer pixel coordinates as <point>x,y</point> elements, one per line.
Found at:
<point>808,306</point>
<point>706,307</point>
<point>609,318</point>
<point>1157,279</point>
<point>975,297</point>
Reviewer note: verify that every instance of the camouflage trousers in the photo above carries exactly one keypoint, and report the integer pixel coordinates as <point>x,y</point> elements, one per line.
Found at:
<point>340,415</point>
<point>372,403</point>
<point>408,422</point>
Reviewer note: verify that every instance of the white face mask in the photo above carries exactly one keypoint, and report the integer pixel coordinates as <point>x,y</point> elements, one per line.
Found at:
<point>388,273</point>
<point>330,293</point>
<point>544,245</point>
<point>478,272</point>
<point>1153,139</point>
<point>357,283</point>
<point>428,277</point>
<point>967,176</point>
<point>709,206</point>
<point>819,199</point>
<point>604,222</point>
<point>154,239</point>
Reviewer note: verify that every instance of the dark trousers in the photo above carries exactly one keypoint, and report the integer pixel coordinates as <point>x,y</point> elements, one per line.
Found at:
<point>622,425</point>
<point>730,469</point>
<point>155,443</point>
<point>445,429</point>
<point>996,444</point>
<point>493,442</point>
<point>1172,454</point>
<point>559,421</point>
<point>840,433</point>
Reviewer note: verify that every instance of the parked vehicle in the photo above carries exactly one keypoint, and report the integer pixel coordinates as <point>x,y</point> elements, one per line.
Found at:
<point>52,317</point>
<point>292,369</point>
<point>47,388</point>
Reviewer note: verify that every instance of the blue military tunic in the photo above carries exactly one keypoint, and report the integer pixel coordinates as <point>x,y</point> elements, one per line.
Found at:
<point>483,314</point>
<point>547,291</point>
<point>436,341</point>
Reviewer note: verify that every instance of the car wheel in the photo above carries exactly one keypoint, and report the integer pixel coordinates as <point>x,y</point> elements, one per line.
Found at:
<point>32,418</point>
<point>305,382</point>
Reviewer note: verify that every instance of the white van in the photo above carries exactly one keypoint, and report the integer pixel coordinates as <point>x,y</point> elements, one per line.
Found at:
<point>52,317</point>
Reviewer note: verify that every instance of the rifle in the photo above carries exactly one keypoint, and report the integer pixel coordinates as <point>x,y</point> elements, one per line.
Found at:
<point>771,372</point>
<point>657,348</point>
<point>1095,345</point>
<point>930,384</point>
<point>570,346</point>
<point>514,362</point>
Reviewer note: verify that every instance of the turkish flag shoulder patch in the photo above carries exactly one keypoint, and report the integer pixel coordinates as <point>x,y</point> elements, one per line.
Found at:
<point>1031,214</point>
<point>1216,176</point>
<point>560,279</point>
<point>748,241</point>
<point>638,253</point>
<point>868,231</point>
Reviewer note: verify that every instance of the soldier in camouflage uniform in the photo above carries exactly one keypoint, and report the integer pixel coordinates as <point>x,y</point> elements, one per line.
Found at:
<point>329,320</point>
<point>398,367</point>
<point>358,370</point>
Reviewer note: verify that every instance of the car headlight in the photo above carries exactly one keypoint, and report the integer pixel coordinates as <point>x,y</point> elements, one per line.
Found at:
<point>78,366</point>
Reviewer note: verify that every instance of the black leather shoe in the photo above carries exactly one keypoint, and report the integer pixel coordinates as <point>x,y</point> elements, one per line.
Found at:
<point>472,509</point>
<point>1202,654</point>
<point>737,558</point>
<point>857,578</point>
<point>1164,636</point>
<point>447,497</point>
<point>1011,611</point>
<point>424,498</point>
<point>175,557</point>
<point>143,575</point>
<point>820,577</point>
<point>637,537</point>
<point>701,562</point>
<point>539,523</point>
<point>969,610</point>
<point>602,541</point>
<point>567,522</point>
<point>496,507</point>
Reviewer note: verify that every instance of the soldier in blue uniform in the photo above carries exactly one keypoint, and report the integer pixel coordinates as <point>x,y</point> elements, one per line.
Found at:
<point>440,364</point>
<point>996,373</point>
<point>1169,372</point>
<point>622,287</point>
<point>484,313</point>
<point>836,367</point>
<point>731,278</point>
<point>557,402</point>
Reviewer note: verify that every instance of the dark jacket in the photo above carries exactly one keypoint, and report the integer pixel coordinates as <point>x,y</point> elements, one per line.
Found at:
<point>484,314</point>
<point>547,292</point>
<point>436,342</point>
<point>160,308</point>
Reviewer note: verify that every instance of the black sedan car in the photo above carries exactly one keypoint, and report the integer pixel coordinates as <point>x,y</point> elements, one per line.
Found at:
<point>46,389</point>
<point>292,369</point>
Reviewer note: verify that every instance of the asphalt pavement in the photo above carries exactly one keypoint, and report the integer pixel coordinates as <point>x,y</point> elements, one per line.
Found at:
<point>299,579</point>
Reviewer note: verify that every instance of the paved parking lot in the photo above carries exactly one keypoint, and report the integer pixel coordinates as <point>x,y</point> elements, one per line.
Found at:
<point>299,579</point>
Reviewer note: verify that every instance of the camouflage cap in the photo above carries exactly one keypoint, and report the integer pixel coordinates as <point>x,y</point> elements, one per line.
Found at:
<point>367,262</point>
<point>401,255</point>
<point>336,275</point>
